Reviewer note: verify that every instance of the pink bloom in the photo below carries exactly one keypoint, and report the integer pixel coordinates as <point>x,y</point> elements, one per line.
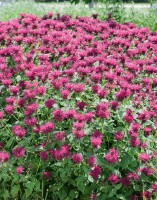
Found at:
<point>93,196</point>
<point>77,158</point>
<point>58,115</point>
<point>43,155</point>
<point>4,157</point>
<point>18,152</point>
<point>128,117</point>
<point>19,131</point>
<point>9,109</point>
<point>148,171</point>
<point>60,136</point>
<point>92,161</point>
<point>113,178</point>
<point>65,94</point>
<point>47,175</point>
<point>112,156</point>
<point>48,127</point>
<point>19,170</point>
<point>49,103</point>
<point>133,176</point>
<point>118,136</point>
<point>154,187</point>
<point>145,194</point>
<point>95,172</point>
<point>1,115</point>
<point>144,157</point>
<point>78,133</point>
<point>95,142</point>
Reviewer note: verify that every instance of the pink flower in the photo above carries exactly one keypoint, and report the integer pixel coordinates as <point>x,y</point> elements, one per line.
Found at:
<point>154,187</point>
<point>4,157</point>
<point>95,142</point>
<point>113,178</point>
<point>144,157</point>
<point>58,115</point>
<point>92,161</point>
<point>112,156</point>
<point>48,127</point>
<point>60,136</point>
<point>1,115</point>
<point>19,131</point>
<point>43,155</point>
<point>18,152</point>
<point>93,196</point>
<point>49,103</point>
<point>95,172</point>
<point>118,136</point>
<point>19,170</point>
<point>77,158</point>
<point>47,175</point>
<point>128,117</point>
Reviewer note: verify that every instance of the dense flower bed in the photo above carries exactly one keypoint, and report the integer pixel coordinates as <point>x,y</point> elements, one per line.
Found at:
<point>78,109</point>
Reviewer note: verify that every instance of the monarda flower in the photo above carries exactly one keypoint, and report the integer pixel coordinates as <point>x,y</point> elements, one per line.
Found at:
<point>96,141</point>
<point>48,127</point>
<point>77,158</point>
<point>148,171</point>
<point>154,187</point>
<point>112,156</point>
<point>19,131</point>
<point>118,136</point>
<point>146,194</point>
<point>43,155</point>
<point>4,156</point>
<point>1,115</point>
<point>95,172</point>
<point>60,136</point>
<point>81,105</point>
<point>9,109</point>
<point>49,103</point>
<point>91,161</point>
<point>144,157</point>
<point>129,117</point>
<point>19,170</point>
<point>58,115</point>
<point>93,196</point>
<point>78,133</point>
<point>18,152</point>
<point>47,175</point>
<point>113,178</point>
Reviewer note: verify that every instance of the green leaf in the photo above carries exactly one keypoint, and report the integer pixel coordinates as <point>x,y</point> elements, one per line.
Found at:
<point>6,194</point>
<point>73,194</point>
<point>28,192</point>
<point>18,78</point>
<point>29,188</point>
<point>90,179</point>
<point>62,194</point>
<point>118,186</point>
<point>9,142</point>
<point>121,196</point>
<point>112,193</point>
<point>14,190</point>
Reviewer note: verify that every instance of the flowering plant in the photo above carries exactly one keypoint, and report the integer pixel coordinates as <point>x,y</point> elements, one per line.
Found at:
<point>78,109</point>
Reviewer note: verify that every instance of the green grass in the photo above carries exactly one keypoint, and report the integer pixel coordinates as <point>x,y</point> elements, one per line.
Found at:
<point>142,17</point>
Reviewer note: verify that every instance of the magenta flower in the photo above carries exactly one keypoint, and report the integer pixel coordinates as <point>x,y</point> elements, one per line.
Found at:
<point>112,156</point>
<point>18,152</point>
<point>77,158</point>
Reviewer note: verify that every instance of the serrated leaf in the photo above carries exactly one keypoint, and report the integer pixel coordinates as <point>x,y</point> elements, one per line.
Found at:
<point>14,190</point>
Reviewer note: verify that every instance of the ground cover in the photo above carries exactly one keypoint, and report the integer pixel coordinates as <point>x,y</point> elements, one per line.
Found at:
<point>78,109</point>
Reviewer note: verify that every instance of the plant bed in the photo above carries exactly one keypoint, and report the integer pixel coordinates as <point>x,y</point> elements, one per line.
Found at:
<point>78,109</point>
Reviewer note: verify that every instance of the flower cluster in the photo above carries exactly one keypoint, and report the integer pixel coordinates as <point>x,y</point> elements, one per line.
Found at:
<point>78,106</point>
